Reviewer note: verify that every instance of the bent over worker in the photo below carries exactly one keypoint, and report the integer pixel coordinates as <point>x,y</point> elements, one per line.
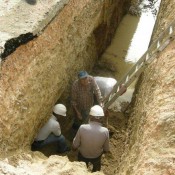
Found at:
<point>51,131</point>
<point>92,140</point>
<point>83,92</point>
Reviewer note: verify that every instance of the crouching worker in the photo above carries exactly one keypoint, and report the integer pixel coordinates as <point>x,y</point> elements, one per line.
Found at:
<point>51,132</point>
<point>92,140</point>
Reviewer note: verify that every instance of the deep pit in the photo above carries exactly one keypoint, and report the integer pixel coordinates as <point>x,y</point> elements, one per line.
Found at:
<point>141,137</point>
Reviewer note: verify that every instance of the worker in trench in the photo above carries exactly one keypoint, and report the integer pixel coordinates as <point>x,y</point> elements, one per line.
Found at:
<point>87,91</point>
<point>84,92</point>
<point>50,133</point>
<point>92,140</point>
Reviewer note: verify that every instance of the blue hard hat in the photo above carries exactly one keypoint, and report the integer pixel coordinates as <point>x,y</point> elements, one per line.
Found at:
<point>82,74</point>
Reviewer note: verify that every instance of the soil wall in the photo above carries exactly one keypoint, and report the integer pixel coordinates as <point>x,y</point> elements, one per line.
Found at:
<point>37,73</point>
<point>150,147</point>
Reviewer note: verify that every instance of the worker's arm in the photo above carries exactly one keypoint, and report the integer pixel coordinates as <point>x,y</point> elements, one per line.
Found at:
<point>123,89</point>
<point>76,140</point>
<point>78,114</point>
<point>74,102</point>
<point>56,129</point>
<point>73,148</point>
<point>97,92</point>
<point>106,143</point>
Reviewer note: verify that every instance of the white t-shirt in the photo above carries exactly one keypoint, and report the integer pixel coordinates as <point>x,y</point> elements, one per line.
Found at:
<point>91,140</point>
<point>105,84</point>
<point>52,126</point>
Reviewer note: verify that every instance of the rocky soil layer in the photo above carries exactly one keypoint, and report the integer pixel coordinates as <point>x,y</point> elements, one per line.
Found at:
<point>151,146</point>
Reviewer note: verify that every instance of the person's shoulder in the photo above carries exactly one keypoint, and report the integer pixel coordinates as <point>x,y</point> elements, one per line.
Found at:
<point>55,124</point>
<point>84,126</point>
<point>105,129</point>
<point>91,78</point>
<point>53,117</point>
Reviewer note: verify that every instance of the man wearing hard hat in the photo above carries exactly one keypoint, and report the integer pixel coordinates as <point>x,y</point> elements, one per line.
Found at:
<point>92,140</point>
<point>84,89</point>
<point>51,131</point>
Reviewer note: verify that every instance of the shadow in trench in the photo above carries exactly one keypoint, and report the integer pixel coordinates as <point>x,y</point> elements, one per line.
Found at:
<point>51,149</point>
<point>112,63</point>
<point>31,2</point>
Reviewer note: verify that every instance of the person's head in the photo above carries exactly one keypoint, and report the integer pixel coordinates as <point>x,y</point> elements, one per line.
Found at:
<point>59,110</point>
<point>82,76</point>
<point>96,113</point>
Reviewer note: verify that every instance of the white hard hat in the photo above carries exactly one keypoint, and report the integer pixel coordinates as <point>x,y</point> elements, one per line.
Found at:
<point>60,109</point>
<point>97,112</point>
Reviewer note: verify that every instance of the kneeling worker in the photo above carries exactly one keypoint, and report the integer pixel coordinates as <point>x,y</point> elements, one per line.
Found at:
<point>51,131</point>
<point>92,140</point>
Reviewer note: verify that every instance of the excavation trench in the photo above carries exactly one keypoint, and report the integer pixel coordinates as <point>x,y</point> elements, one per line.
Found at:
<point>114,62</point>
<point>40,73</point>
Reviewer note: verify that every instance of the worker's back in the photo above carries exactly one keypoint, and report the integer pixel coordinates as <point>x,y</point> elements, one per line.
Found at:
<point>94,139</point>
<point>105,84</point>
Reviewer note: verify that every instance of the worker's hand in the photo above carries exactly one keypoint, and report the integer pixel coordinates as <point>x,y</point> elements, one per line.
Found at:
<point>123,89</point>
<point>73,148</point>
<point>107,113</point>
<point>103,156</point>
<point>101,104</point>
<point>79,116</point>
